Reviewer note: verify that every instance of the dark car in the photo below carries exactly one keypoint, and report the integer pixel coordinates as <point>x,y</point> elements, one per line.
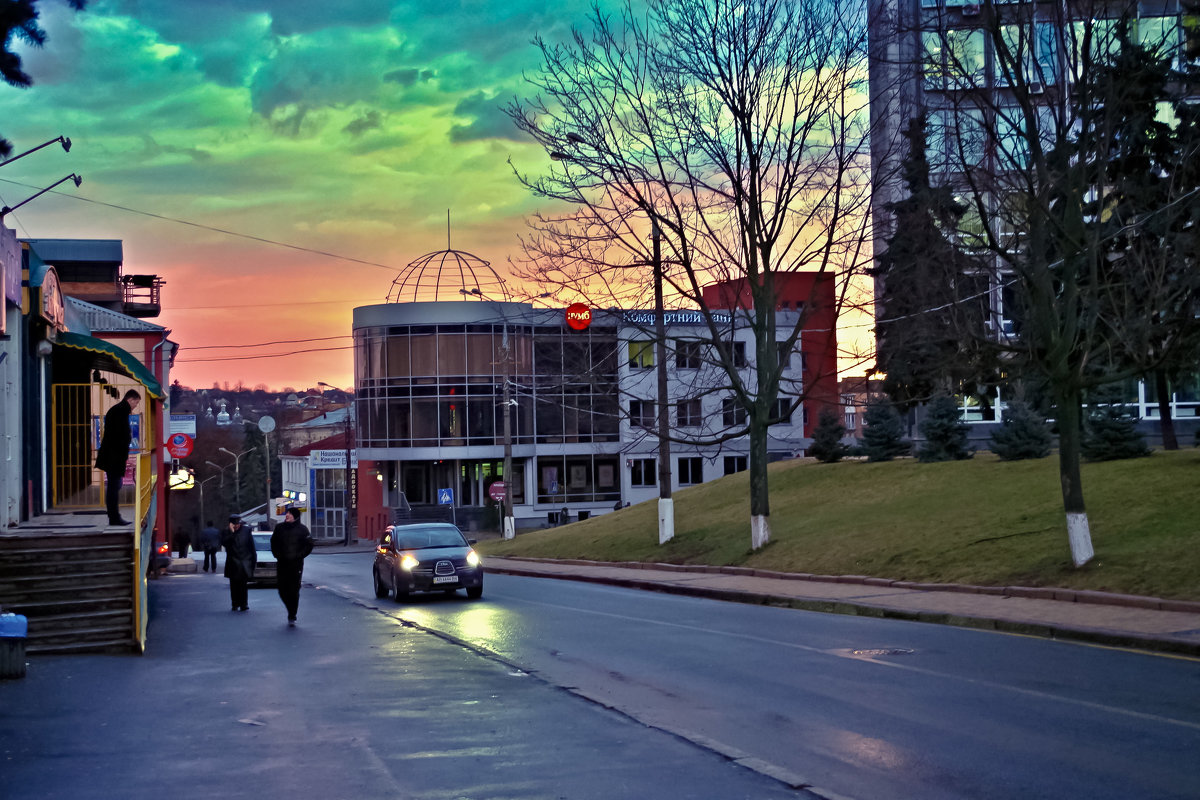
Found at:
<point>266,571</point>
<point>428,557</point>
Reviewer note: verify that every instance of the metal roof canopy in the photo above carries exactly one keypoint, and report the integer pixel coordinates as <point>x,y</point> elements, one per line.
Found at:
<point>128,364</point>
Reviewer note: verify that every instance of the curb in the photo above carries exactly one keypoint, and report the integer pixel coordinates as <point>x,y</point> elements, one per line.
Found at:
<point>1034,592</point>
<point>1100,637</point>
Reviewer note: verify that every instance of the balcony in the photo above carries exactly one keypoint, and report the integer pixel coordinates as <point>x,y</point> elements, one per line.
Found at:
<point>140,295</point>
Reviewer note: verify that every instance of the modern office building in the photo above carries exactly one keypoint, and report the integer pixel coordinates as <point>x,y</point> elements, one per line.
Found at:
<point>430,389</point>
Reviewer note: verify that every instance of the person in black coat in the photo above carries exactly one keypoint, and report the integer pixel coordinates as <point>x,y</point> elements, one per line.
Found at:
<point>209,540</point>
<point>113,454</point>
<point>240,560</point>
<point>290,544</point>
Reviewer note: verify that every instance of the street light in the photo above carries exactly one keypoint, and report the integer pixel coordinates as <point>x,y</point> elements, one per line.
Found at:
<point>203,520</point>
<point>348,496</point>
<point>218,466</point>
<point>237,474</point>
<point>66,145</point>
<point>666,507</point>
<point>72,177</point>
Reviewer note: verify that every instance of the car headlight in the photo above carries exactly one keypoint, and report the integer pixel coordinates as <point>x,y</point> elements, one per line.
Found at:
<point>408,562</point>
<point>472,558</point>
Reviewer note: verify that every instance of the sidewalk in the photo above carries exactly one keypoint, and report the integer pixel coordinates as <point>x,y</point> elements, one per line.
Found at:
<point>1148,623</point>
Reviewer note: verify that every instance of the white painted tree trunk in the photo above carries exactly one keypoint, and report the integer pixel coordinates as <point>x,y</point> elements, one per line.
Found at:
<point>1080,536</point>
<point>510,527</point>
<point>760,530</point>
<point>666,520</point>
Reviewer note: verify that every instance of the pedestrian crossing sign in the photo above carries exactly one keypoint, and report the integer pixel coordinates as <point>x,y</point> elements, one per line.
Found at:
<point>445,497</point>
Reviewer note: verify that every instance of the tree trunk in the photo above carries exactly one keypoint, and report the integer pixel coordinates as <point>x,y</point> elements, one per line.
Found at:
<point>760,505</point>
<point>1166,424</point>
<point>1070,435</point>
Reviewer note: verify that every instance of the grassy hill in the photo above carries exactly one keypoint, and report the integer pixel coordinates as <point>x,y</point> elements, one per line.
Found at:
<point>981,521</point>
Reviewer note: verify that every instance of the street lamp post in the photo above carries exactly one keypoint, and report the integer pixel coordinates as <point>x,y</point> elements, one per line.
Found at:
<point>666,506</point>
<point>66,145</point>
<point>203,520</point>
<point>237,474</point>
<point>347,494</point>
<point>72,177</point>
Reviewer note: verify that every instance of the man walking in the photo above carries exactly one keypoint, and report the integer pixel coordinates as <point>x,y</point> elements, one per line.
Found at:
<point>210,543</point>
<point>290,544</point>
<point>240,560</point>
<point>113,454</point>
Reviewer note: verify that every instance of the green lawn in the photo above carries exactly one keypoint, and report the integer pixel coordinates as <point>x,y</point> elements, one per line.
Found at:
<point>981,521</point>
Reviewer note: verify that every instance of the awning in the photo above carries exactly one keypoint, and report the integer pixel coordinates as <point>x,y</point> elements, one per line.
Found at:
<point>136,369</point>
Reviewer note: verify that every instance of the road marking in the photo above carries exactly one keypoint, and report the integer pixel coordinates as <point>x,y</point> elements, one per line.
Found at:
<point>1034,693</point>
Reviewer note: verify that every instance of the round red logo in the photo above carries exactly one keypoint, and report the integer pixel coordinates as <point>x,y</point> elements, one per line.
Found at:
<point>579,316</point>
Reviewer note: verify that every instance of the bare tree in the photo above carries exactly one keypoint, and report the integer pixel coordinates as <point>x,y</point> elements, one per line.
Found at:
<point>1021,101</point>
<point>736,131</point>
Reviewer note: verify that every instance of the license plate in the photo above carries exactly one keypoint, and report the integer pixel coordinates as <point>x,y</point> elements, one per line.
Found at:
<point>445,579</point>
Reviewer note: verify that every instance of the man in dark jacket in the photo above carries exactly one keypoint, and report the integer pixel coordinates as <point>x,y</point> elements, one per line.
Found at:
<point>113,454</point>
<point>240,560</point>
<point>290,544</point>
<point>208,540</point>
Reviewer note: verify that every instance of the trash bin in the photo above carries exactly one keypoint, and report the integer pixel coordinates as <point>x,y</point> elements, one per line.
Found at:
<point>13,628</point>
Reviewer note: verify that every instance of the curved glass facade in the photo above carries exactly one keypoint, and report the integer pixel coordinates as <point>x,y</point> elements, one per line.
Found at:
<point>442,385</point>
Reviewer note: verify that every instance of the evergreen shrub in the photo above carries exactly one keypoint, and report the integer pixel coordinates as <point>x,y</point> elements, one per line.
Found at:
<point>827,444</point>
<point>944,431</point>
<point>1022,434</point>
<point>883,432</point>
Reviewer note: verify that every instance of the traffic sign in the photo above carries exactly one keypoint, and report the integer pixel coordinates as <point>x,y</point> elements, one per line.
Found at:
<point>445,497</point>
<point>498,491</point>
<point>180,445</point>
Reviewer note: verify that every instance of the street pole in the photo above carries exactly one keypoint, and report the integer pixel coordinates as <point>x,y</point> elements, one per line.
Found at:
<point>203,518</point>
<point>346,516</point>
<point>666,505</point>
<point>508,523</point>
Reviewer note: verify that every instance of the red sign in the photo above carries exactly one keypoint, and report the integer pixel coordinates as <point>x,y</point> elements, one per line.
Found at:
<point>180,445</point>
<point>498,491</point>
<point>579,317</point>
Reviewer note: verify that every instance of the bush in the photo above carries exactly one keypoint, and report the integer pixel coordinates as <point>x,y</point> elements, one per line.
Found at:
<point>1021,435</point>
<point>883,432</point>
<point>827,444</point>
<point>944,431</point>
<point>1111,433</point>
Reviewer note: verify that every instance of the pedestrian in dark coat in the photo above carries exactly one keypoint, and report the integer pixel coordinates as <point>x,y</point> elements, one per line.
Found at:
<point>240,560</point>
<point>209,540</point>
<point>113,453</point>
<point>290,544</point>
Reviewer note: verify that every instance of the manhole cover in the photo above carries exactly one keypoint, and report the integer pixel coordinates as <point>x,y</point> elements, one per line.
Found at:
<point>891,651</point>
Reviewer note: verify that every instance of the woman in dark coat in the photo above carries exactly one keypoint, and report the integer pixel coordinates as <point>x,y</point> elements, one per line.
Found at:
<point>290,544</point>
<point>240,560</point>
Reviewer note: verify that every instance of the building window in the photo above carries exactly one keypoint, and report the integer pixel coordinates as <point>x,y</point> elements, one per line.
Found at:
<point>641,413</point>
<point>687,355</point>
<point>737,351</point>
<point>785,355</point>
<point>641,355</point>
<point>735,464</point>
<point>642,472</point>
<point>781,411</point>
<point>688,413</point>
<point>691,470</point>
<point>733,413</point>
<point>848,404</point>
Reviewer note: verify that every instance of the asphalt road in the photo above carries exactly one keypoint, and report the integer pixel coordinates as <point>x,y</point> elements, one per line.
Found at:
<point>854,707</point>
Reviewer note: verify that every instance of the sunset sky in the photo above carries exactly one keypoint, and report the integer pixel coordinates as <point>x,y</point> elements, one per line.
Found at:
<point>348,128</point>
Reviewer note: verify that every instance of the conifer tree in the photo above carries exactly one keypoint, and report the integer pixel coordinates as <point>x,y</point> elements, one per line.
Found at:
<point>1022,434</point>
<point>827,444</point>
<point>1110,433</point>
<point>883,432</point>
<point>944,431</point>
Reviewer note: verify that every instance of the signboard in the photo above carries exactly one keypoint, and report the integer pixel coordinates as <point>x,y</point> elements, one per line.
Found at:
<point>184,423</point>
<point>182,478</point>
<point>673,317</point>
<point>331,459</point>
<point>180,445</point>
<point>579,317</point>
<point>498,491</point>
<point>135,428</point>
<point>445,497</point>
<point>52,309</point>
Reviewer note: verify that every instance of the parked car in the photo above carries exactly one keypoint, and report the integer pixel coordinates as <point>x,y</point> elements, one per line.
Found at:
<point>266,571</point>
<point>426,557</point>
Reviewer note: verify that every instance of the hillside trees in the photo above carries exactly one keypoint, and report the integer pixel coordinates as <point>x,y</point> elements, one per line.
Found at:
<point>711,142</point>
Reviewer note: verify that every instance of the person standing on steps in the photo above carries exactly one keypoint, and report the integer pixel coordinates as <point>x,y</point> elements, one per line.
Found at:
<point>240,560</point>
<point>112,457</point>
<point>291,542</point>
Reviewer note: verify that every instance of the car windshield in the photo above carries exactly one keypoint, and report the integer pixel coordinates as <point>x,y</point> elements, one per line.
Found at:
<point>428,537</point>
<point>262,541</point>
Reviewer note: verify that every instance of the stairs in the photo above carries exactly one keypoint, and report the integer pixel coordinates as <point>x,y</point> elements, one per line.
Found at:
<point>76,589</point>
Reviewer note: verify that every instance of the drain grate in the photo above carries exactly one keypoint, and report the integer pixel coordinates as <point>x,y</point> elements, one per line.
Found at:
<point>891,651</point>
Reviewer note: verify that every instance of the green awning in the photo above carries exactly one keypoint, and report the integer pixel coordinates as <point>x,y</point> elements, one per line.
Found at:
<point>136,369</point>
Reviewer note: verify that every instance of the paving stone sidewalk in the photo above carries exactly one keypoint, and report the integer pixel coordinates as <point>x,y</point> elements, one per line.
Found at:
<point>1098,617</point>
